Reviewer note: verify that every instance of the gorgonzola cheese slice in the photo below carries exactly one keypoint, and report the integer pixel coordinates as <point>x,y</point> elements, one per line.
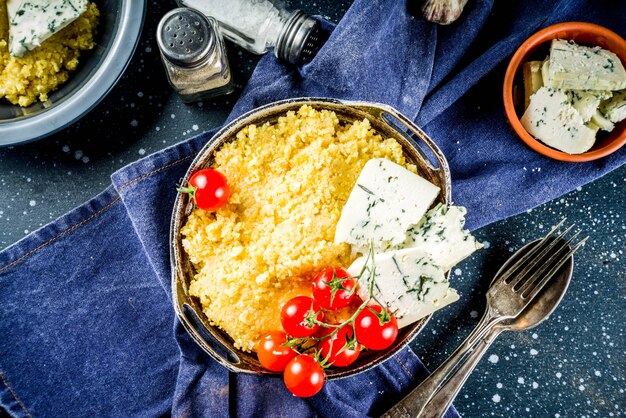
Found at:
<point>33,21</point>
<point>603,123</point>
<point>586,102</point>
<point>408,281</point>
<point>441,235</point>
<point>577,67</point>
<point>386,200</point>
<point>552,119</point>
<point>615,109</point>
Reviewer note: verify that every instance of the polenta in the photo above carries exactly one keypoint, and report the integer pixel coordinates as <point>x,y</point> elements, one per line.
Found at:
<point>289,182</point>
<point>24,80</point>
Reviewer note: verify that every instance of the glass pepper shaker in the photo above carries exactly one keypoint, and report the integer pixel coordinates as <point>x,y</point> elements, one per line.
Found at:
<point>260,25</point>
<point>193,54</point>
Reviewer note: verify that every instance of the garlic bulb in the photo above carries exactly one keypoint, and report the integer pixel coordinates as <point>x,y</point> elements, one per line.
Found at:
<point>443,12</point>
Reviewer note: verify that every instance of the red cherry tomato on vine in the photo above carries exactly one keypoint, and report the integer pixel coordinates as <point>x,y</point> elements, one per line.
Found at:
<point>272,354</point>
<point>376,329</point>
<point>208,189</point>
<point>341,349</point>
<point>333,288</point>
<point>304,376</point>
<point>298,314</point>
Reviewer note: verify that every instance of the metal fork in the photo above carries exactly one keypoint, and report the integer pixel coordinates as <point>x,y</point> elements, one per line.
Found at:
<point>507,297</point>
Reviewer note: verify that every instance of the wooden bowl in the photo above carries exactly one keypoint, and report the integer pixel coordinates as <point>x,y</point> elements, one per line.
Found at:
<point>537,47</point>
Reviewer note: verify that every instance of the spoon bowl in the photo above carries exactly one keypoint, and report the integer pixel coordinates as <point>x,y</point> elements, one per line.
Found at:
<point>548,299</point>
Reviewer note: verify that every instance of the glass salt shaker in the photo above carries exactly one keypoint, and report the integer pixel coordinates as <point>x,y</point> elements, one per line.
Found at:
<point>260,25</point>
<point>193,54</point>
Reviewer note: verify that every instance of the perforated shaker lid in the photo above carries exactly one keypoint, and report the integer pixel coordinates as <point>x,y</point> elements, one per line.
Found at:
<point>185,36</point>
<point>300,39</point>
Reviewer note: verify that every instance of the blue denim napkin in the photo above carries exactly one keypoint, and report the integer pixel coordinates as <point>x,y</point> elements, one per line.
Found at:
<point>86,324</point>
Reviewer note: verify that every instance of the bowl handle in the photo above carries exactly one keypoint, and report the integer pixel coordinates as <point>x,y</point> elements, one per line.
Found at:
<point>209,342</point>
<point>429,151</point>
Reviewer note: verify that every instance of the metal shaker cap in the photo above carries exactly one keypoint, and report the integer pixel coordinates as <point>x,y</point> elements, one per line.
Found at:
<point>300,39</point>
<point>186,36</point>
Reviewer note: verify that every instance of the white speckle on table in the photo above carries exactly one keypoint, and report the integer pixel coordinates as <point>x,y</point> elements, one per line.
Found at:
<point>85,159</point>
<point>142,151</point>
<point>134,123</point>
<point>520,380</point>
<point>499,385</point>
<point>533,352</point>
<point>148,49</point>
<point>157,129</point>
<point>496,398</point>
<point>486,244</point>
<point>66,148</point>
<point>32,203</point>
<point>473,314</point>
<point>535,336</point>
<point>535,385</point>
<point>559,375</point>
<point>493,358</point>
<point>173,116</point>
<point>140,94</point>
<point>581,388</point>
<point>597,373</point>
<point>78,154</point>
<point>457,272</point>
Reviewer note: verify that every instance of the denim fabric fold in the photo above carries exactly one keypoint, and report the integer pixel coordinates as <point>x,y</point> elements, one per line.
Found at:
<point>86,325</point>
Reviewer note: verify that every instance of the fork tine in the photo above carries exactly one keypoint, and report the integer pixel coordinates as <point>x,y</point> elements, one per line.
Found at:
<point>545,263</point>
<point>540,258</point>
<point>533,292</point>
<point>509,272</point>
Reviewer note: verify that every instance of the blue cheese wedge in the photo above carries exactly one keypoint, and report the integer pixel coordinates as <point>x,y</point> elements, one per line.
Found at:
<point>408,281</point>
<point>33,21</point>
<point>598,119</point>
<point>575,67</point>
<point>615,109</point>
<point>586,102</point>
<point>552,119</point>
<point>441,234</point>
<point>385,202</point>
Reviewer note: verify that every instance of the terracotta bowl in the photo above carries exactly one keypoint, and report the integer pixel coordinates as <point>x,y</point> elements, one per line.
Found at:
<point>536,48</point>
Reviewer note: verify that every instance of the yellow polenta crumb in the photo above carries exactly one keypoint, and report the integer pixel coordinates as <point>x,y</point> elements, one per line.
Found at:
<point>42,70</point>
<point>289,182</point>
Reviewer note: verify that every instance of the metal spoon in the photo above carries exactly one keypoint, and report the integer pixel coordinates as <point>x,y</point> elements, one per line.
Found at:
<point>436,404</point>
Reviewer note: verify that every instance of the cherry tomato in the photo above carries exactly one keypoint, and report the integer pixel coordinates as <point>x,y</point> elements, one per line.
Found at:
<point>208,189</point>
<point>341,349</point>
<point>272,354</point>
<point>296,316</point>
<point>304,376</point>
<point>376,330</point>
<point>333,288</point>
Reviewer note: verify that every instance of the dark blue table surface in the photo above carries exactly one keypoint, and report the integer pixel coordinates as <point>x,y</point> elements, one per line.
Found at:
<point>570,366</point>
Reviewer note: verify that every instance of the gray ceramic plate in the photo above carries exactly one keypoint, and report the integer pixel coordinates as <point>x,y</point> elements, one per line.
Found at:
<point>418,148</point>
<point>118,34</point>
